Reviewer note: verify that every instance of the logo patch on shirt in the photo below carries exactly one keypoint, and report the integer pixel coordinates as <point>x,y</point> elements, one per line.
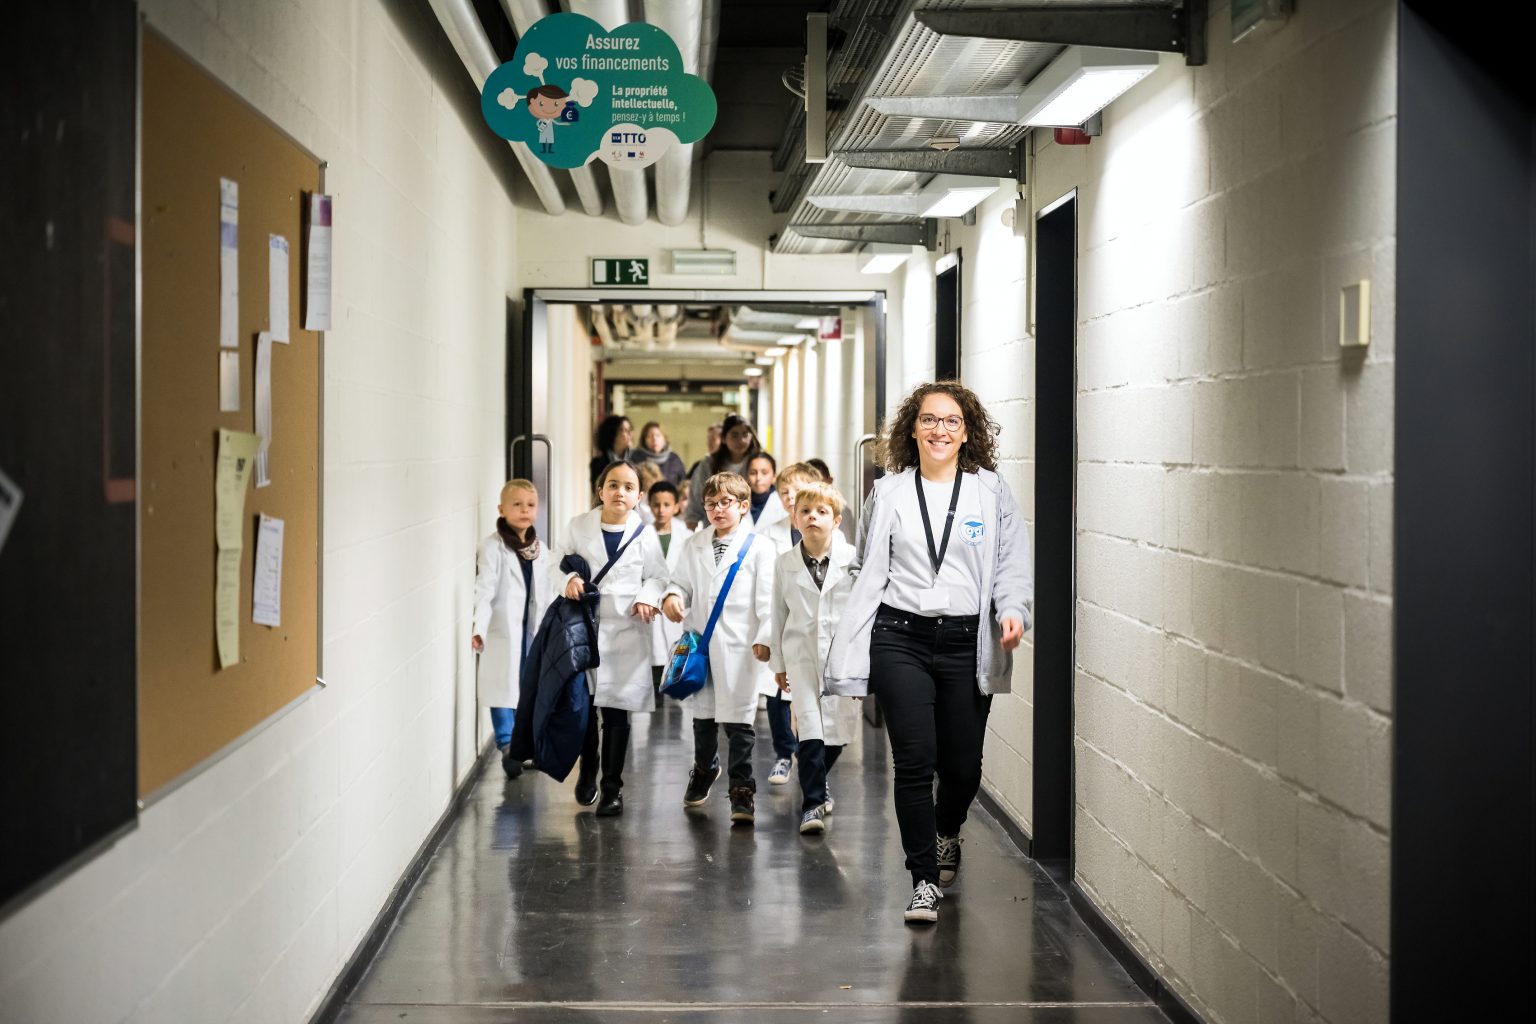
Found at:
<point>972,530</point>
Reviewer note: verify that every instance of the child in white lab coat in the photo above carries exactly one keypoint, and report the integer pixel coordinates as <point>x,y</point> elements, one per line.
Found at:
<point>511,593</point>
<point>738,644</point>
<point>631,589</point>
<point>810,587</point>
<point>671,531</point>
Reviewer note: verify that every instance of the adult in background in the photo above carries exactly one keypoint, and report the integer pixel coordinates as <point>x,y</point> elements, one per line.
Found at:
<point>613,441</point>
<point>711,445</point>
<point>738,443</point>
<point>943,595</point>
<point>655,449</point>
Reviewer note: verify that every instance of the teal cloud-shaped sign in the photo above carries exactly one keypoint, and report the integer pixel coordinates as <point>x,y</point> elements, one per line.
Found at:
<point>576,92</point>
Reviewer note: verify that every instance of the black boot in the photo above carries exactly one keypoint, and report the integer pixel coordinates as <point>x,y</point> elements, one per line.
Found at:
<point>586,772</point>
<point>615,746</point>
<point>509,764</point>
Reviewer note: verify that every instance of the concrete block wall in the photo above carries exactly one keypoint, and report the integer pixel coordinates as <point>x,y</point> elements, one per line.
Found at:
<point>242,893</point>
<point>1233,698</point>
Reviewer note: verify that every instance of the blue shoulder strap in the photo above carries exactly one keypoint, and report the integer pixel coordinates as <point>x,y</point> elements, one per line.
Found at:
<point>730,577</point>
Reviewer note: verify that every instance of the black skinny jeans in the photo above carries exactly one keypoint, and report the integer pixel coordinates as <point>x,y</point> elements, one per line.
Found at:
<point>740,740</point>
<point>923,673</point>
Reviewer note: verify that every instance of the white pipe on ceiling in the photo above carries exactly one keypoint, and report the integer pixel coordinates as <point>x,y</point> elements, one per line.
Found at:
<point>683,20</point>
<point>523,14</point>
<point>629,195</point>
<point>468,38</point>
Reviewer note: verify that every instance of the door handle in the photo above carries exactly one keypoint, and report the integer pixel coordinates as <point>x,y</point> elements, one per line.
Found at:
<point>549,453</point>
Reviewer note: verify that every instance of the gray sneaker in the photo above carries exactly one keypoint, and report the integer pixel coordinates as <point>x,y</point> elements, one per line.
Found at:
<point>780,773</point>
<point>923,907</point>
<point>949,860</point>
<point>814,821</point>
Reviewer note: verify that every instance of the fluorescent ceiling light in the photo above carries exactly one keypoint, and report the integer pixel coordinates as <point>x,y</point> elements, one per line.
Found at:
<point>764,361</point>
<point>1080,83</point>
<point>808,323</point>
<point>777,350</point>
<point>753,371</point>
<point>882,257</point>
<point>791,339</point>
<point>703,261</point>
<point>946,195</point>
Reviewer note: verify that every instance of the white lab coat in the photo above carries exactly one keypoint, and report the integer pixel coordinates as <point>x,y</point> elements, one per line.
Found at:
<point>804,620</point>
<point>623,678</point>
<point>730,696</point>
<point>498,619</point>
<point>665,632</point>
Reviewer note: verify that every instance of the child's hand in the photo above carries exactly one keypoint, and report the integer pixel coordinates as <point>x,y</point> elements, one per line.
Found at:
<point>1013,632</point>
<point>574,588</point>
<point>782,678</point>
<point>672,608</point>
<point>477,643</point>
<point>759,652</point>
<point>644,612</point>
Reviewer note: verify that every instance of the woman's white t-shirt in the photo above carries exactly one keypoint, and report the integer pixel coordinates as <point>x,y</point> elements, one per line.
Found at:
<point>911,570</point>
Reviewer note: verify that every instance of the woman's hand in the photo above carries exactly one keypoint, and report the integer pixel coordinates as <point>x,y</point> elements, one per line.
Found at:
<point>782,678</point>
<point>574,588</point>
<point>672,608</point>
<point>759,652</point>
<point>644,612</point>
<point>1013,632</point>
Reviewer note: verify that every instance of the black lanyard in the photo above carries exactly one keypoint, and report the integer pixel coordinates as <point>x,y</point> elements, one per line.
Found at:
<point>936,557</point>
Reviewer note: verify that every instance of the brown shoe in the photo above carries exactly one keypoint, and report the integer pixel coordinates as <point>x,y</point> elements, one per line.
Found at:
<point>741,805</point>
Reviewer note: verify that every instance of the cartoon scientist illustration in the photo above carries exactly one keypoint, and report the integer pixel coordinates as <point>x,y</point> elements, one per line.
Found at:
<point>545,104</point>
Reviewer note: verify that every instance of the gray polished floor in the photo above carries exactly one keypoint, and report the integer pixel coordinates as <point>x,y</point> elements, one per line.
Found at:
<point>534,910</point>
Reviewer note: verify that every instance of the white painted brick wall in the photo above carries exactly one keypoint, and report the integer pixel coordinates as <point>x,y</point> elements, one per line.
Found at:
<point>241,894</point>
<point>1234,517</point>
<point>1234,509</point>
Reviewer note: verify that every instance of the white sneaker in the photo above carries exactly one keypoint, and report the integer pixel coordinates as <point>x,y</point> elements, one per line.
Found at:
<point>780,774</point>
<point>949,860</point>
<point>923,907</point>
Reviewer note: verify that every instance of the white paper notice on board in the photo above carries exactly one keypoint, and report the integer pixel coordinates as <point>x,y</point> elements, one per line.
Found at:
<point>317,271</point>
<point>10,505</point>
<point>277,287</point>
<point>229,263</point>
<point>267,595</point>
<point>263,407</point>
<point>229,381</point>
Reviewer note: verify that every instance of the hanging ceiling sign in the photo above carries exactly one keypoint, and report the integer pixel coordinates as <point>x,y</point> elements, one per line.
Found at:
<point>575,92</point>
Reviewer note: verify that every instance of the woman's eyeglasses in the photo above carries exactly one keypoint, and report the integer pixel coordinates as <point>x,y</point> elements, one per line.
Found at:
<point>928,421</point>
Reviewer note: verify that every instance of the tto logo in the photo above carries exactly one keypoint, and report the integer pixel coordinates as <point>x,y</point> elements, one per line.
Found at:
<point>626,138</point>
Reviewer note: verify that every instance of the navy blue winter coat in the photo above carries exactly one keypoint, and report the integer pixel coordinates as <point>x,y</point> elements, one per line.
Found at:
<point>553,703</point>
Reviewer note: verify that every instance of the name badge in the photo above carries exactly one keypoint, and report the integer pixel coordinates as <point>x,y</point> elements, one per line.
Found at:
<point>934,599</point>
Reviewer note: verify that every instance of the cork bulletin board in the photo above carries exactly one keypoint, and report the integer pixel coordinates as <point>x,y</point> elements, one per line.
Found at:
<point>195,132</point>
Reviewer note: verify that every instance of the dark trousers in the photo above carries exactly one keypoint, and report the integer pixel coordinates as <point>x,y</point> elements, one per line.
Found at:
<point>923,673</point>
<point>784,742</point>
<point>615,744</point>
<point>739,740</point>
<point>816,760</point>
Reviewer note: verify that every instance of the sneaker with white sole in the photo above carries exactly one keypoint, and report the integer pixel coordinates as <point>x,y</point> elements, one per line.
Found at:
<point>814,821</point>
<point>949,860</point>
<point>923,907</point>
<point>780,773</point>
<point>829,803</point>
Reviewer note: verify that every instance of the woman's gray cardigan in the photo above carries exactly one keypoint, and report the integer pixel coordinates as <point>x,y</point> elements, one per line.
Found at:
<point>1008,577</point>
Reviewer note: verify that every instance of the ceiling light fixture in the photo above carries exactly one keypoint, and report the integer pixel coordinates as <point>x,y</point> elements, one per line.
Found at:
<point>753,371</point>
<point>946,195</point>
<point>882,257</point>
<point>1080,83</point>
<point>703,261</point>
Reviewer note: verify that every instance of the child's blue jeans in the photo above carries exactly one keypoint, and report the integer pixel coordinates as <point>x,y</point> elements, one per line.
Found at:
<point>501,721</point>
<point>784,742</point>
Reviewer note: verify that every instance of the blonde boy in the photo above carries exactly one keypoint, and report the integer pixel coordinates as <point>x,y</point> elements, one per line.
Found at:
<point>738,644</point>
<point>810,587</point>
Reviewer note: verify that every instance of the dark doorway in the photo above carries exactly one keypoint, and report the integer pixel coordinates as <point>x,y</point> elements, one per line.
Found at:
<point>1465,594</point>
<point>1055,475</point>
<point>946,320</point>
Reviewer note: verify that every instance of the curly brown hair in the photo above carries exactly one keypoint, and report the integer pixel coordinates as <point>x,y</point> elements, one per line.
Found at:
<point>898,449</point>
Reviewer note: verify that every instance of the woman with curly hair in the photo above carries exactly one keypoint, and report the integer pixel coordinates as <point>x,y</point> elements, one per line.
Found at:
<point>943,594</point>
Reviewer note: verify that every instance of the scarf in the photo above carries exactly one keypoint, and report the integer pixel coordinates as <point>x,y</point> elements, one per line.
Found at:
<point>639,455</point>
<point>528,549</point>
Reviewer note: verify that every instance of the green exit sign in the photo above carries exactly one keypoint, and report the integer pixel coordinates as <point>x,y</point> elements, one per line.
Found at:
<point>620,273</point>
